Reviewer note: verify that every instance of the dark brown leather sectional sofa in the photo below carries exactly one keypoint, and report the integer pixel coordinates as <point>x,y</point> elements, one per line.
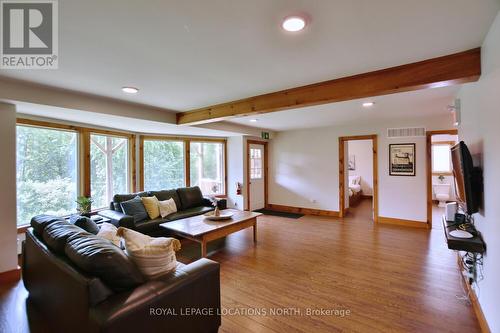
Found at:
<point>79,282</point>
<point>189,202</point>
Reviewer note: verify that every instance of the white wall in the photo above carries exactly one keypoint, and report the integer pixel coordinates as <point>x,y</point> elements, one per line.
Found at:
<point>235,169</point>
<point>480,131</point>
<point>304,168</point>
<point>363,154</point>
<point>8,229</point>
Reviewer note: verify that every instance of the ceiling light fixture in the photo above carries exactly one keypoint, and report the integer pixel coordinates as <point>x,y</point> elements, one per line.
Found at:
<point>368,104</point>
<point>130,90</point>
<point>253,120</point>
<point>293,23</point>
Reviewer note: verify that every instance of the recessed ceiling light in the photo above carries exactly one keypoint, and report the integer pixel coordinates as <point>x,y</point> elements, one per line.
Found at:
<point>293,23</point>
<point>368,104</point>
<point>130,90</point>
<point>253,120</point>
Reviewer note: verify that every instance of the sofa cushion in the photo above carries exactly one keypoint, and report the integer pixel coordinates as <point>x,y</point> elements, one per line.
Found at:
<point>153,256</point>
<point>119,198</point>
<point>56,234</point>
<point>150,225</point>
<point>167,194</point>
<point>190,197</point>
<point>151,205</point>
<point>135,208</point>
<point>167,207</point>
<point>40,222</point>
<point>189,212</point>
<point>85,223</point>
<point>99,257</point>
<point>108,231</point>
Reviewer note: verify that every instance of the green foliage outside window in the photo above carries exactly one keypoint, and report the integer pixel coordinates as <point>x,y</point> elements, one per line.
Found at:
<point>206,166</point>
<point>163,165</point>
<point>46,172</point>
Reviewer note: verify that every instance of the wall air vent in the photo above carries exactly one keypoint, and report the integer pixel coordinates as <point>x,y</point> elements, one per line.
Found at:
<point>406,132</point>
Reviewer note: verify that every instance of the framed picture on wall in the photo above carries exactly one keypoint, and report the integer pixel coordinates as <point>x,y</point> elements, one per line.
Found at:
<point>402,159</point>
<point>352,162</point>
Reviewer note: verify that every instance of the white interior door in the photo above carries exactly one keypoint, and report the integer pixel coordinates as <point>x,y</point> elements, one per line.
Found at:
<point>256,172</point>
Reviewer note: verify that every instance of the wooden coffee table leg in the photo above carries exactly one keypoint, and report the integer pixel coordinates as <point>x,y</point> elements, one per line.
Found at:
<point>203,248</point>
<point>255,232</point>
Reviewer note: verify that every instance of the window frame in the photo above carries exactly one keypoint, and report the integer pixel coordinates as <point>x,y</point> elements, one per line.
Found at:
<point>58,127</point>
<point>187,156</point>
<point>83,153</point>
<point>224,161</point>
<point>261,169</point>
<point>131,177</point>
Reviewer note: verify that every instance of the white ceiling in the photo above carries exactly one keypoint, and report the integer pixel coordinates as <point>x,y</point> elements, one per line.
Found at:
<point>194,53</point>
<point>117,122</point>
<point>415,104</point>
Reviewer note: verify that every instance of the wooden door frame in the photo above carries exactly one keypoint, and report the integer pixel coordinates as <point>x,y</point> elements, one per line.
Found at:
<point>342,141</point>
<point>266,167</point>
<point>428,167</point>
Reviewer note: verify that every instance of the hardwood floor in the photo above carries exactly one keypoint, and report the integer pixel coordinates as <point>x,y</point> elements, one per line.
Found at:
<point>390,278</point>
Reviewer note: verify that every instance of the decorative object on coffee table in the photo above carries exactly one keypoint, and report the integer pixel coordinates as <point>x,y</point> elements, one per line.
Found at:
<point>217,215</point>
<point>84,205</point>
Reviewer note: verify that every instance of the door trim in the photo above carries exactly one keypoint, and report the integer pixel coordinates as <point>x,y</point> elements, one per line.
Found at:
<point>428,167</point>
<point>342,141</point>
<point>266,167</point>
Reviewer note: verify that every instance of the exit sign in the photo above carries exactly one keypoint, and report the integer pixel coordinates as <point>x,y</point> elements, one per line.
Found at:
<point>264,135</point>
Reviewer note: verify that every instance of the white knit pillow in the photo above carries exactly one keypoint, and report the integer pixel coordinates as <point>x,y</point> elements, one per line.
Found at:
<point>108,231</point>
<point>167,207</point>
<point>152,255</point>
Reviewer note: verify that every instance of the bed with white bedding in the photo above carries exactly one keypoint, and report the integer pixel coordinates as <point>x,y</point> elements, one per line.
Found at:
<point>355,192</point>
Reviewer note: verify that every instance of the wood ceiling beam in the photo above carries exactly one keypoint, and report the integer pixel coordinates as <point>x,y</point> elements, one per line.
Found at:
<point>444,71</point>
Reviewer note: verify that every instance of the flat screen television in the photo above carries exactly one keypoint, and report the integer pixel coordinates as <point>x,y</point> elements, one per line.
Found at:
<point>468,179</point>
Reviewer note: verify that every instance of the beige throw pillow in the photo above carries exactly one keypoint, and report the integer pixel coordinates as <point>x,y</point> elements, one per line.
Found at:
<point>153,256</point>
<point>167,207</point>
<point>151,205</point>
<point>108,231</point>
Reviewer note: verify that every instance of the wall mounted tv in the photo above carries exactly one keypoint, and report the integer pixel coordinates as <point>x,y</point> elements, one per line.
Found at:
<point>468,179</point>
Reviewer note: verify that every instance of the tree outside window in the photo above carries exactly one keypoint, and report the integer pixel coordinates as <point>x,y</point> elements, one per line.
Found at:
<point>109,173</point>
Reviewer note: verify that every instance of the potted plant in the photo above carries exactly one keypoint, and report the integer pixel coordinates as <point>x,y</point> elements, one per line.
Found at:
<point>84,205</point>
<point>441,178</point>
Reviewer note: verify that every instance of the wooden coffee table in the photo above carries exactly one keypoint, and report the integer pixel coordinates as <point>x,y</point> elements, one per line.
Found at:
<point>201,230</point>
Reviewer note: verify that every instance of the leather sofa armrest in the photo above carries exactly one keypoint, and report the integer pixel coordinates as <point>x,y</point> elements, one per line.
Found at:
<point>163,302</point>
<point>118,219</point>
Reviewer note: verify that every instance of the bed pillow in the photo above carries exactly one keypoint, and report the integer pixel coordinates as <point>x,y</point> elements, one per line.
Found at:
<point>354,180</point>
<point>153,256</point>
<point>167,207</point>
<point>135,208</point>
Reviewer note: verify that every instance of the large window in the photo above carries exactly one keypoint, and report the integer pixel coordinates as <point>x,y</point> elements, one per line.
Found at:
<point>207,166</point>
<point>164,164</point>
<point>441,158</point>
<point>47,172</point>
<point>108,168</point>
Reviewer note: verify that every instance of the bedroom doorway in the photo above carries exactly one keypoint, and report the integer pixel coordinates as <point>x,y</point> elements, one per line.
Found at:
<point>440,178</point>
<point>358,173</point>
